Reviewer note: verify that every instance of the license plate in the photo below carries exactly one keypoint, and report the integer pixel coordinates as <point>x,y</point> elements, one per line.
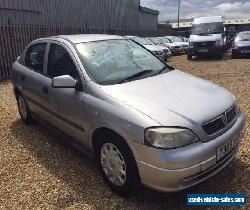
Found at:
<point>203,50</point>
<point>227,147</point>
<point>245,51</point>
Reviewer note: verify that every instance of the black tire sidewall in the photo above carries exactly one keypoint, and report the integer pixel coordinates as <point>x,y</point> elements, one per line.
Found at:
<point>189,56</point>
<point>132,183</point>
<point>28,120</point>
<point>234,55</point>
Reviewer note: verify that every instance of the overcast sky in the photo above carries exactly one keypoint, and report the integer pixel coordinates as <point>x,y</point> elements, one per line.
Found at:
<point>191,8</point>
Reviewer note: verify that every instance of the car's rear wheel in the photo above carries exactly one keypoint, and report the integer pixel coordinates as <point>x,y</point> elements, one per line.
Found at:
<point>24,110</point>
<point>117,165</point>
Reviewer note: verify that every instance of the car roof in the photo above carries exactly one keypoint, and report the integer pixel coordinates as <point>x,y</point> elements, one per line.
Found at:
<point>208,19</point>
<point>79,38</point>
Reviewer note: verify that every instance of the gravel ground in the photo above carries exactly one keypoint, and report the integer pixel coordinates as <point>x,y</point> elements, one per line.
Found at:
<point>39,171</point>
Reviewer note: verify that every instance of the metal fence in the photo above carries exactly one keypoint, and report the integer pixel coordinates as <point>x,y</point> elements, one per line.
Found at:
<point>14,38</point>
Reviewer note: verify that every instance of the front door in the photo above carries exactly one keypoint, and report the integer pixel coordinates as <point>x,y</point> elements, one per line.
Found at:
<point>66,104</point>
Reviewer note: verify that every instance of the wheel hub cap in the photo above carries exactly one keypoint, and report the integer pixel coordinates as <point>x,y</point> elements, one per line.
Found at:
<point>22,107</point>
<point>113,164</point>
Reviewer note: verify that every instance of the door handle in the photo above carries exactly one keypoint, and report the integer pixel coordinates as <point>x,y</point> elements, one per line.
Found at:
<point>46,90</point>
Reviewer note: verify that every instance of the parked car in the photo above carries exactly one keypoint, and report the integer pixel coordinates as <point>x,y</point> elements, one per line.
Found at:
<point>184,39</point>
<point>207,37</point>
<point>162,41</point>
<point>160,51</point>
<point>144,121</point>
<point>179,41</point>
<point>241,44</point>
<point>165,49</point>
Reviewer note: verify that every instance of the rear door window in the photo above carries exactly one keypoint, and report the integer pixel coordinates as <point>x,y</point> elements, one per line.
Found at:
<point>35,57</point>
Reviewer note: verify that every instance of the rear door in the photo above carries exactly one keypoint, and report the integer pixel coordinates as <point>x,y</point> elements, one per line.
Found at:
<point>32,77</point>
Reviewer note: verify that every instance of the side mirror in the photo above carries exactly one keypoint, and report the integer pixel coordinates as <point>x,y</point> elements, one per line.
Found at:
<point>64,81</point>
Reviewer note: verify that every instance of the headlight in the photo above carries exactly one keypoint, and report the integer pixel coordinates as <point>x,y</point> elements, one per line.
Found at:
<point>219,42</point>
<point>191,44</point>
<point>169,138</point>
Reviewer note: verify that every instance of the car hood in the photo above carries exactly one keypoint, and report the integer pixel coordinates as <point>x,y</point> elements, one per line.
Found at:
<point>174,98</point>
<point>163,47</point>
<point>173,44</point>
<point>181,43</point>
<point>185,43</point>
<point>243,43</point>
<point>204,38</point>
<point>152,47</point>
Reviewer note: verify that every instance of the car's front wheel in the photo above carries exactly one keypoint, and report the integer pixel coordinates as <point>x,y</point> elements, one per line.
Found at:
<point>234,55</point>
<point>117,165</point>
<point>220,55</point>
<point>24,110</point>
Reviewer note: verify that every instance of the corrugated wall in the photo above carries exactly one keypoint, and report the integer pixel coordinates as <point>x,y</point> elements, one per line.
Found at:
<point>24,20</point>
<point>105,14</point>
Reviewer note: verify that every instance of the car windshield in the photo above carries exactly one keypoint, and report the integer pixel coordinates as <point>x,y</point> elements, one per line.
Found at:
<point>154,40</point>
<point>163,40</point>
<point>176,39</point>
<point>142,41</point>
<point>207,28</point>
<point>112,61</point>
<point>244,37</point>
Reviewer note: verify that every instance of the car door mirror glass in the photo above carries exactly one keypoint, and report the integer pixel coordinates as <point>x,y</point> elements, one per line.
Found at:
<point>64,81</point>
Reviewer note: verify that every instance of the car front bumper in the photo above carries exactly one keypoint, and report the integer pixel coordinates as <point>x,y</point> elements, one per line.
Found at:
<point>176,50</point>
<point>205,49</point>
<point>178,169</point>
<point>242,51</point>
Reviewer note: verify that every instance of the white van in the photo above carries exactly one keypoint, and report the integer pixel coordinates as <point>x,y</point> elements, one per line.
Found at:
<point>207,36</point>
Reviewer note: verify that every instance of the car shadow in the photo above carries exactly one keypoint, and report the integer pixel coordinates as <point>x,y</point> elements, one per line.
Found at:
<point>80,175</point>
<point>247,56</point>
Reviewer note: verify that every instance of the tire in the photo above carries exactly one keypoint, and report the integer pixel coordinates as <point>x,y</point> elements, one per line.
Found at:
<point>24,110</point>
<point>220,56</point>
<point>234,55</point>
<point>116,159</point>
<point>189,56</point>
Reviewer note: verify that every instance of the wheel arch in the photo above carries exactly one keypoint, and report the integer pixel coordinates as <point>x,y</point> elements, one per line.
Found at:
<point>97,134</point>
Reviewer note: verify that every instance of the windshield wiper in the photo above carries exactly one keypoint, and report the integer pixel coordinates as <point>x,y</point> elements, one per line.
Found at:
<point>136,75</point>
<point>161,70</point>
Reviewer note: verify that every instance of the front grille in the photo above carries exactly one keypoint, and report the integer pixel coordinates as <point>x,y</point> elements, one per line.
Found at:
<point>204,44</point>
<point>177,47</point>
<point>165,51</point>
<point>220,122</point>
<point>245,48</point>
<point>158,52</point>
<point>230,114</point>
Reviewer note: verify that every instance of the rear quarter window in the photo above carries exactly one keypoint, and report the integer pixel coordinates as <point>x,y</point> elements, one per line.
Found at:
<point>34,58</point>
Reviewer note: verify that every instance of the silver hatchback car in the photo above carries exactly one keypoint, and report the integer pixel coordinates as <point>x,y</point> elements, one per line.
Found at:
<point>144,121</point>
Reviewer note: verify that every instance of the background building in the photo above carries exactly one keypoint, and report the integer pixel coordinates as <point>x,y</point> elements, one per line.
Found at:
<point>22,21</point>
<point>232,25</point>
<point>117,16</point>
